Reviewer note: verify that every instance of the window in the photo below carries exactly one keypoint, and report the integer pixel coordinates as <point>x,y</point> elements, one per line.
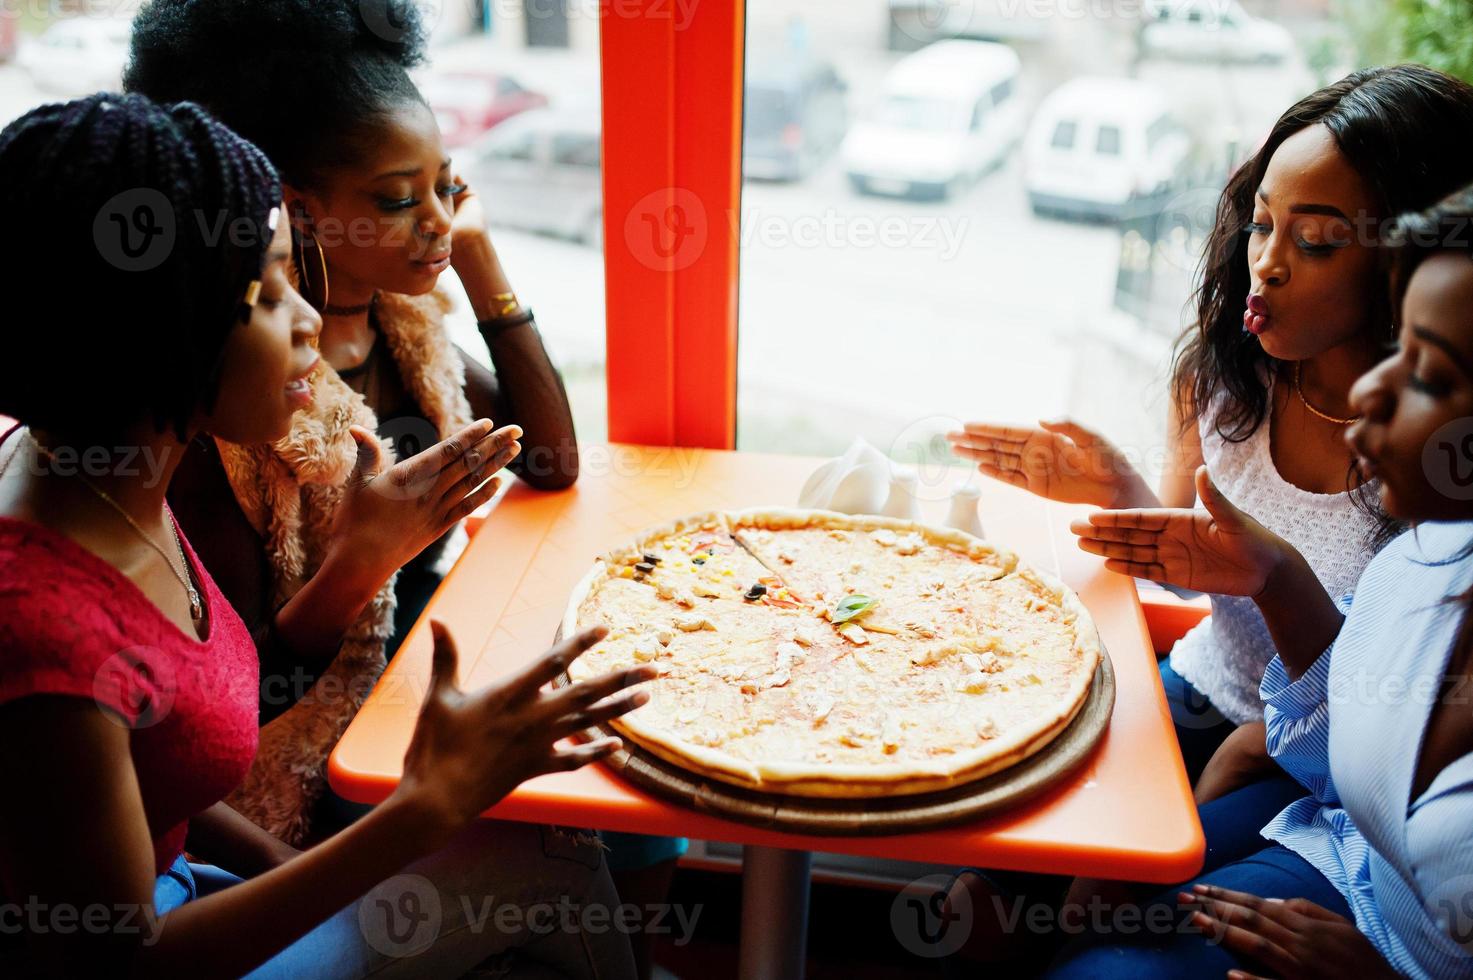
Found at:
<point>1002,91</point>
<point>575,150</point>
<point>1063,138</point>
<point>1107,141</point>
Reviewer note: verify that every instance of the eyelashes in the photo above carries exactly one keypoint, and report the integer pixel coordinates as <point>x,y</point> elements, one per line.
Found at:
<point>1308,248</point>
<point>405,203</point>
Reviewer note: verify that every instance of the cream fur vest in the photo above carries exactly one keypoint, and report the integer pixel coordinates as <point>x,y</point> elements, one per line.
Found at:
<point>290,491</point>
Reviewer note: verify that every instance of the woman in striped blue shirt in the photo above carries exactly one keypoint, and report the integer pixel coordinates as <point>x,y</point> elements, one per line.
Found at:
<point>1367,701</point>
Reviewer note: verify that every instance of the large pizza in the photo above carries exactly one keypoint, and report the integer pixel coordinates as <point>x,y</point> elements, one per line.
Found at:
<point>820,654</point>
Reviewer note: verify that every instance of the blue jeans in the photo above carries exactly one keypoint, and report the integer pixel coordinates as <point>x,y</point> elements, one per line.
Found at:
<point>1200,727</point>
<point>1161,942</point>
<point>528,899</point>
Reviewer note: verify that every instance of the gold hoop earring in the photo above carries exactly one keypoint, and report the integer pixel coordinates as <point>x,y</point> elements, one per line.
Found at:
<point>322,262</point>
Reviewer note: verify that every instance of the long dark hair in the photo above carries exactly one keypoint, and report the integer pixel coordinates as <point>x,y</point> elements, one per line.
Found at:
<point>1407,130</point>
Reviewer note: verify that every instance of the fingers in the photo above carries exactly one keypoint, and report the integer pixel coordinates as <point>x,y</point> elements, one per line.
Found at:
<point>577,697</point>
<point>1151,571</point>
<point>1014,477</point>
<point>996,458</point>
<point>1245,923</point>
<point>1146,519</point>
<point>488,456</point>
<point>1108,532</point>
<point>1135,553</point>
<point>1068,427</point>
<point>1245,942</point>
<point>445,660</point>
<point>578,756</point>
<point>555,661</point>
<point>599,713</point>
<point>467,506</point>
<point>1217,505</point>
<point>424,468</point>
<point>370,457</point>
<point>996,431</point>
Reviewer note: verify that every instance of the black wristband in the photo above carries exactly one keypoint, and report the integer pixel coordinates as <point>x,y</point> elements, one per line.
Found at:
<point>491,328</point>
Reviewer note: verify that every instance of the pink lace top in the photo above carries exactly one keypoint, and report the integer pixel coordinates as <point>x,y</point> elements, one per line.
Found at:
<point>72,624</point>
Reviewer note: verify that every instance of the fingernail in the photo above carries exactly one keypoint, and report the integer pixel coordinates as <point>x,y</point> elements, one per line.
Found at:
<point>1202,889</point>
<point>640,697</point>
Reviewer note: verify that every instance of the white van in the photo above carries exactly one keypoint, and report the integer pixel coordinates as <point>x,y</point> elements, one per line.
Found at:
<point>1212,30</point>
<point>1098,147</point>
<point>947,114</point>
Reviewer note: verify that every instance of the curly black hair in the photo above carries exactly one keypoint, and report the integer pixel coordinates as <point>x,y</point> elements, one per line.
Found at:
<point>1406,129</point>
<point>138,229</point>
<point>305,80</point>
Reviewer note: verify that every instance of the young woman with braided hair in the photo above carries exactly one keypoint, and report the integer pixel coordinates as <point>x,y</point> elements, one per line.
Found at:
<point>126,676</point>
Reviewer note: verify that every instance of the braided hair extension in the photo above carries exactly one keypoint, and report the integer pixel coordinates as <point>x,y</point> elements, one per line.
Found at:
<point>138,229</point>
<point>308,81</point>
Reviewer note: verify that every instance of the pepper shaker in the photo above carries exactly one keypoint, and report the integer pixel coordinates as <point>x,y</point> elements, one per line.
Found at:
<point>963,514</point>
<point>902,500</point>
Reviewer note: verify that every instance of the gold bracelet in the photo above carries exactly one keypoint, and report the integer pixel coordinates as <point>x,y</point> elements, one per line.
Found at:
<point>508,301</point>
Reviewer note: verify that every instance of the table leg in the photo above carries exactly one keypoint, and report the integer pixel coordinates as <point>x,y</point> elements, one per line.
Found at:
<point>774,937</point>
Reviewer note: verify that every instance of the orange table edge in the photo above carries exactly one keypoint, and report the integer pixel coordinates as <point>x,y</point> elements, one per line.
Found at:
<point>1127,813</point>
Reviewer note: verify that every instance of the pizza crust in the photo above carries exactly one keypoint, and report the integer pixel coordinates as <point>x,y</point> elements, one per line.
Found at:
<point>838,780</point>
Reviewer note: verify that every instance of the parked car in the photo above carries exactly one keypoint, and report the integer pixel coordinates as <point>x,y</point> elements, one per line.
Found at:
<point>539,171</point>
<point>77,56</point>
<point>1212,30</point>
<point>795,117</point>
<point>8,35</point>
<point>468,103</point>
<point>947,114</point>
<point>1100,147</point>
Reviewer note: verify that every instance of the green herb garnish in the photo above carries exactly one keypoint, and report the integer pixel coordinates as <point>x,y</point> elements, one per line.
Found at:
<point>849,607</point>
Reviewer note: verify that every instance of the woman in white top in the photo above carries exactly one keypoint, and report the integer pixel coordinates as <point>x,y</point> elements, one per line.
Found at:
<point>1290,311</point>
<point>1367,708</point>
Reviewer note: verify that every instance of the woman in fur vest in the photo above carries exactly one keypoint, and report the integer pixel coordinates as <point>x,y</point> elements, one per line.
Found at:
<point>304,545</point>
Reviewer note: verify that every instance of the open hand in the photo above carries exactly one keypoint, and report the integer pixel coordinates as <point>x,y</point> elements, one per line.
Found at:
<point>1221,550</point>
<point>1294,939</point>
<point>1060,460</point>
<point>470,749</point>
<point>389,515</point>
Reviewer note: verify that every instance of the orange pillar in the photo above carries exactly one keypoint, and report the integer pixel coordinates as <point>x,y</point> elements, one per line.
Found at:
<point>672,135</point>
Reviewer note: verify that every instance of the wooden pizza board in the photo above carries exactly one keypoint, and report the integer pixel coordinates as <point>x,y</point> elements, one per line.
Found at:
<point>878,815</point>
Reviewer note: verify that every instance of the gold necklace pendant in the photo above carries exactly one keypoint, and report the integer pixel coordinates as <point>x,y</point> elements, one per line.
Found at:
<point>196,604</point>
<point>1299,390</point>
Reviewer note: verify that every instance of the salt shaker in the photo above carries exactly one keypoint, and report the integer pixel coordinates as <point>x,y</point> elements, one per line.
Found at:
<point>902,500</point>
<point>963,514</point>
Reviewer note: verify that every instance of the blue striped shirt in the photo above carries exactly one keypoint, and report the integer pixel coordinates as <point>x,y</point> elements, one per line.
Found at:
<point>1350,729</point>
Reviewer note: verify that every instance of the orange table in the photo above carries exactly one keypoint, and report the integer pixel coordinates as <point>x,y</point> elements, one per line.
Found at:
<point>1128,813</point>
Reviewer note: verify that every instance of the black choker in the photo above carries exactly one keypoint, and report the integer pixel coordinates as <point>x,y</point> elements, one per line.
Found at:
<point>332,310</point>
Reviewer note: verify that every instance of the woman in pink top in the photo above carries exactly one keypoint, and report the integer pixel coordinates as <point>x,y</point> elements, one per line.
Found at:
<point>128,686</point>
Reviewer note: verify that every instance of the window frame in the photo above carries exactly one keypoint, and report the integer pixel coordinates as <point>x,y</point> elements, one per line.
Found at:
<point>672,142</point>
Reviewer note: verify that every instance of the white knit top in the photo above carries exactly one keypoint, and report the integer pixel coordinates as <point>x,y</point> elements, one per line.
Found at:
<point>1225,655</point>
